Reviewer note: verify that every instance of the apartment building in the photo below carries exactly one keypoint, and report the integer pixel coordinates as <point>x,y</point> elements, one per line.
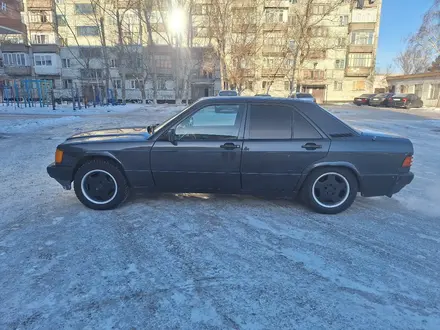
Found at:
<point>342,40</point>
<point>66,40</point>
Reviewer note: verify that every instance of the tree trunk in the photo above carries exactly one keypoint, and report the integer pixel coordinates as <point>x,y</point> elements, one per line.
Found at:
<point>151,58</point>
<point>107,67</point>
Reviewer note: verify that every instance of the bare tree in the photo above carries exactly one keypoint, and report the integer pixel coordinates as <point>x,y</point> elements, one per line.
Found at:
<point>414,59</point>
<point>428,34</point>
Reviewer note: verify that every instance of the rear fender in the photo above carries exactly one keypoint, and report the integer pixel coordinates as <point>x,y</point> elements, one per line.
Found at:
<point>342,164</point>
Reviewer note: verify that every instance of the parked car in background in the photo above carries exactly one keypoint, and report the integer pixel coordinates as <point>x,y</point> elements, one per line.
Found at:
<point>303,96</point>
<point>228,93</point>
<point>263,95</point>
<point>406,101</point>
<point>382,100</point>
<point>237,145</point>
<point>364,99</point>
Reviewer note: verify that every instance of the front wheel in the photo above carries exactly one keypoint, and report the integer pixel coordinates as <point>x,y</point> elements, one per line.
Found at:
<point>330,190</point>
<point>100,185</point>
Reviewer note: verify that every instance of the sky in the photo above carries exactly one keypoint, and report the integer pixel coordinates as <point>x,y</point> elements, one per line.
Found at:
<point>399,19</point>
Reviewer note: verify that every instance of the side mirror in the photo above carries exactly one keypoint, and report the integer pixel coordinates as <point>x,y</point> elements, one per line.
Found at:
<point>172,135</point>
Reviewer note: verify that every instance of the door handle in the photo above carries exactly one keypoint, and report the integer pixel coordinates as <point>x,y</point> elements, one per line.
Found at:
<point>311,146</point>
<point>230,146</point>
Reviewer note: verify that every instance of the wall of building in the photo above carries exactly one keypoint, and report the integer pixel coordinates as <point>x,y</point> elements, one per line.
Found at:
<point>430,88</point>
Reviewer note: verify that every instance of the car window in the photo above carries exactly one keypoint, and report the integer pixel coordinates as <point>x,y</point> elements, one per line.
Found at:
<point>270,122</point>
<point>214,122</point>
<point>302,129</point>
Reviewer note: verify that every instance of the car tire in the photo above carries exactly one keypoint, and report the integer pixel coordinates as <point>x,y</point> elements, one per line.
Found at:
<point>323,184</point>
<point>100,185</point>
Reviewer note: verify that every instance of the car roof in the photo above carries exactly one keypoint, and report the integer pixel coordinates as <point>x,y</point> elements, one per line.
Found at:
<point>329,123</point>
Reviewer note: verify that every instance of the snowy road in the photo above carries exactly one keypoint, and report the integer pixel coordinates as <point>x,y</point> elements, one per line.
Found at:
<point>214,262</point>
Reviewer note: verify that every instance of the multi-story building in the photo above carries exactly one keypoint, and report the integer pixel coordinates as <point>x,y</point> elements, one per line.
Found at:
<point>87,45</point>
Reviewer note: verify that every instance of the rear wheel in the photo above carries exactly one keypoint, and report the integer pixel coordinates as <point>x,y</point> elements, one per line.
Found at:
<point>330,190</point>
<point>100,185</point>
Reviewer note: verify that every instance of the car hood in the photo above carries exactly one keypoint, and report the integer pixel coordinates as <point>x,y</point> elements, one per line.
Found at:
<point>134,133</point>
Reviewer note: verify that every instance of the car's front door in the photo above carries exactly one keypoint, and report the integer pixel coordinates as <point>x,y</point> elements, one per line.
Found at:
<point>206,151</point>
<point>279,144</point>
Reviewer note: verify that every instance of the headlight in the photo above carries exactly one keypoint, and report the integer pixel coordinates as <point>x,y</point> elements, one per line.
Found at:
<point>58,156</point>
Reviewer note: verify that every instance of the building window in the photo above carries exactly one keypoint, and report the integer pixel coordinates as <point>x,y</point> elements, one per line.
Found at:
<point>250,85</point>
<point>112,63</point>
<point>84,31</point>
<point>43,60</point>
<point>293,1</point>
<point>359,85</point>
<point>61,20</point>
<point>136,84</point>
<point>362,37</point>
<point>65,62</point>
<point>434,91</point>
<point>67,84</point>
<point>340,64</point>
<point>40,39</point>
<point>163,61</point>
<point>337,86</point>
<point>117,83</point>
<point>287,85</point>
<point>341,42</point>
<point>14,59</point>
<point>318,31</point>
<point>265,84</point>
<point>360,60</point>
<point>320,9</point>
<point>313,74</point>
<point>63,42</point>
<point>418,90</point>
<point>343,20</point>
<point>38,17</point>
<point>83,8</point>
<point>274,15</point>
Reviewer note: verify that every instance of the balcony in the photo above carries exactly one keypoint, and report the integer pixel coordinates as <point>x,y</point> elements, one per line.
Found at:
<point>18,70</point>
<point>361,26</point>
<point>358,72</point>
<point>14,48</point>
<point>50,48</point>
<point>41,27</point>
<point>275,50</point>
<point>41,4</point>
<point>277,3</point>
<point>273,72</point>
<point>360,48</point>
<point>281,26</point>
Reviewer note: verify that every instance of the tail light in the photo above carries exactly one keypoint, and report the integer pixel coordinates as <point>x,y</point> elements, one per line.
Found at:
<point>407,162</point>
<point>404,100</point>
<point>390,99</point>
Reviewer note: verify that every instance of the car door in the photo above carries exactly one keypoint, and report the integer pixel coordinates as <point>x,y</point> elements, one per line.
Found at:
<point>279,144</point>
<point>206,151</point>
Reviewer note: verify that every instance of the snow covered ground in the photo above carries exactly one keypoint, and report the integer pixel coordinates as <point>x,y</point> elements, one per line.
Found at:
<point>194,261</point>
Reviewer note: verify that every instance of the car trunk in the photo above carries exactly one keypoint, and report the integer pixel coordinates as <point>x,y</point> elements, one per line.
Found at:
<point>400,101</point>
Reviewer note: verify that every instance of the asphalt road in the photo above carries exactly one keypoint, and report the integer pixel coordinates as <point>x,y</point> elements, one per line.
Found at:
<point>192,261</point>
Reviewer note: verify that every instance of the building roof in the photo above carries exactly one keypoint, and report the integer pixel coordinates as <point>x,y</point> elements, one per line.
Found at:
<point>415,76</point>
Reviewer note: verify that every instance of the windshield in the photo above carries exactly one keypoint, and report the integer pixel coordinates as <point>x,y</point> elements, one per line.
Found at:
<point>227,93</point>
<point>304,96</point>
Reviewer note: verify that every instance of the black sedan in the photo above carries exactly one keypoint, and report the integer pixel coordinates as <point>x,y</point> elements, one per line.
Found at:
<point>364,99</point>
<point>406,101</point>
<point>248,145</point>
<point>382,100</point>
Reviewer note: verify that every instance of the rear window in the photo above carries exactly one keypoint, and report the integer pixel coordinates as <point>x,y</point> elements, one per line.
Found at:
<point>366,95</point>
<point>381,95</point>
<point>304,96</point>
<point>227,93</point>
<point>270,122</point>
<point>402,95</point>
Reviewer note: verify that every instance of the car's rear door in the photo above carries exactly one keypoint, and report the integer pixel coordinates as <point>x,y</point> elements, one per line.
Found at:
<point>206,153</point>
<point>279,144</point>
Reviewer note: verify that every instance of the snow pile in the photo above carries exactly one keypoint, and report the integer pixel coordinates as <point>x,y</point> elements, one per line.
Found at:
<point>29,125</point>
